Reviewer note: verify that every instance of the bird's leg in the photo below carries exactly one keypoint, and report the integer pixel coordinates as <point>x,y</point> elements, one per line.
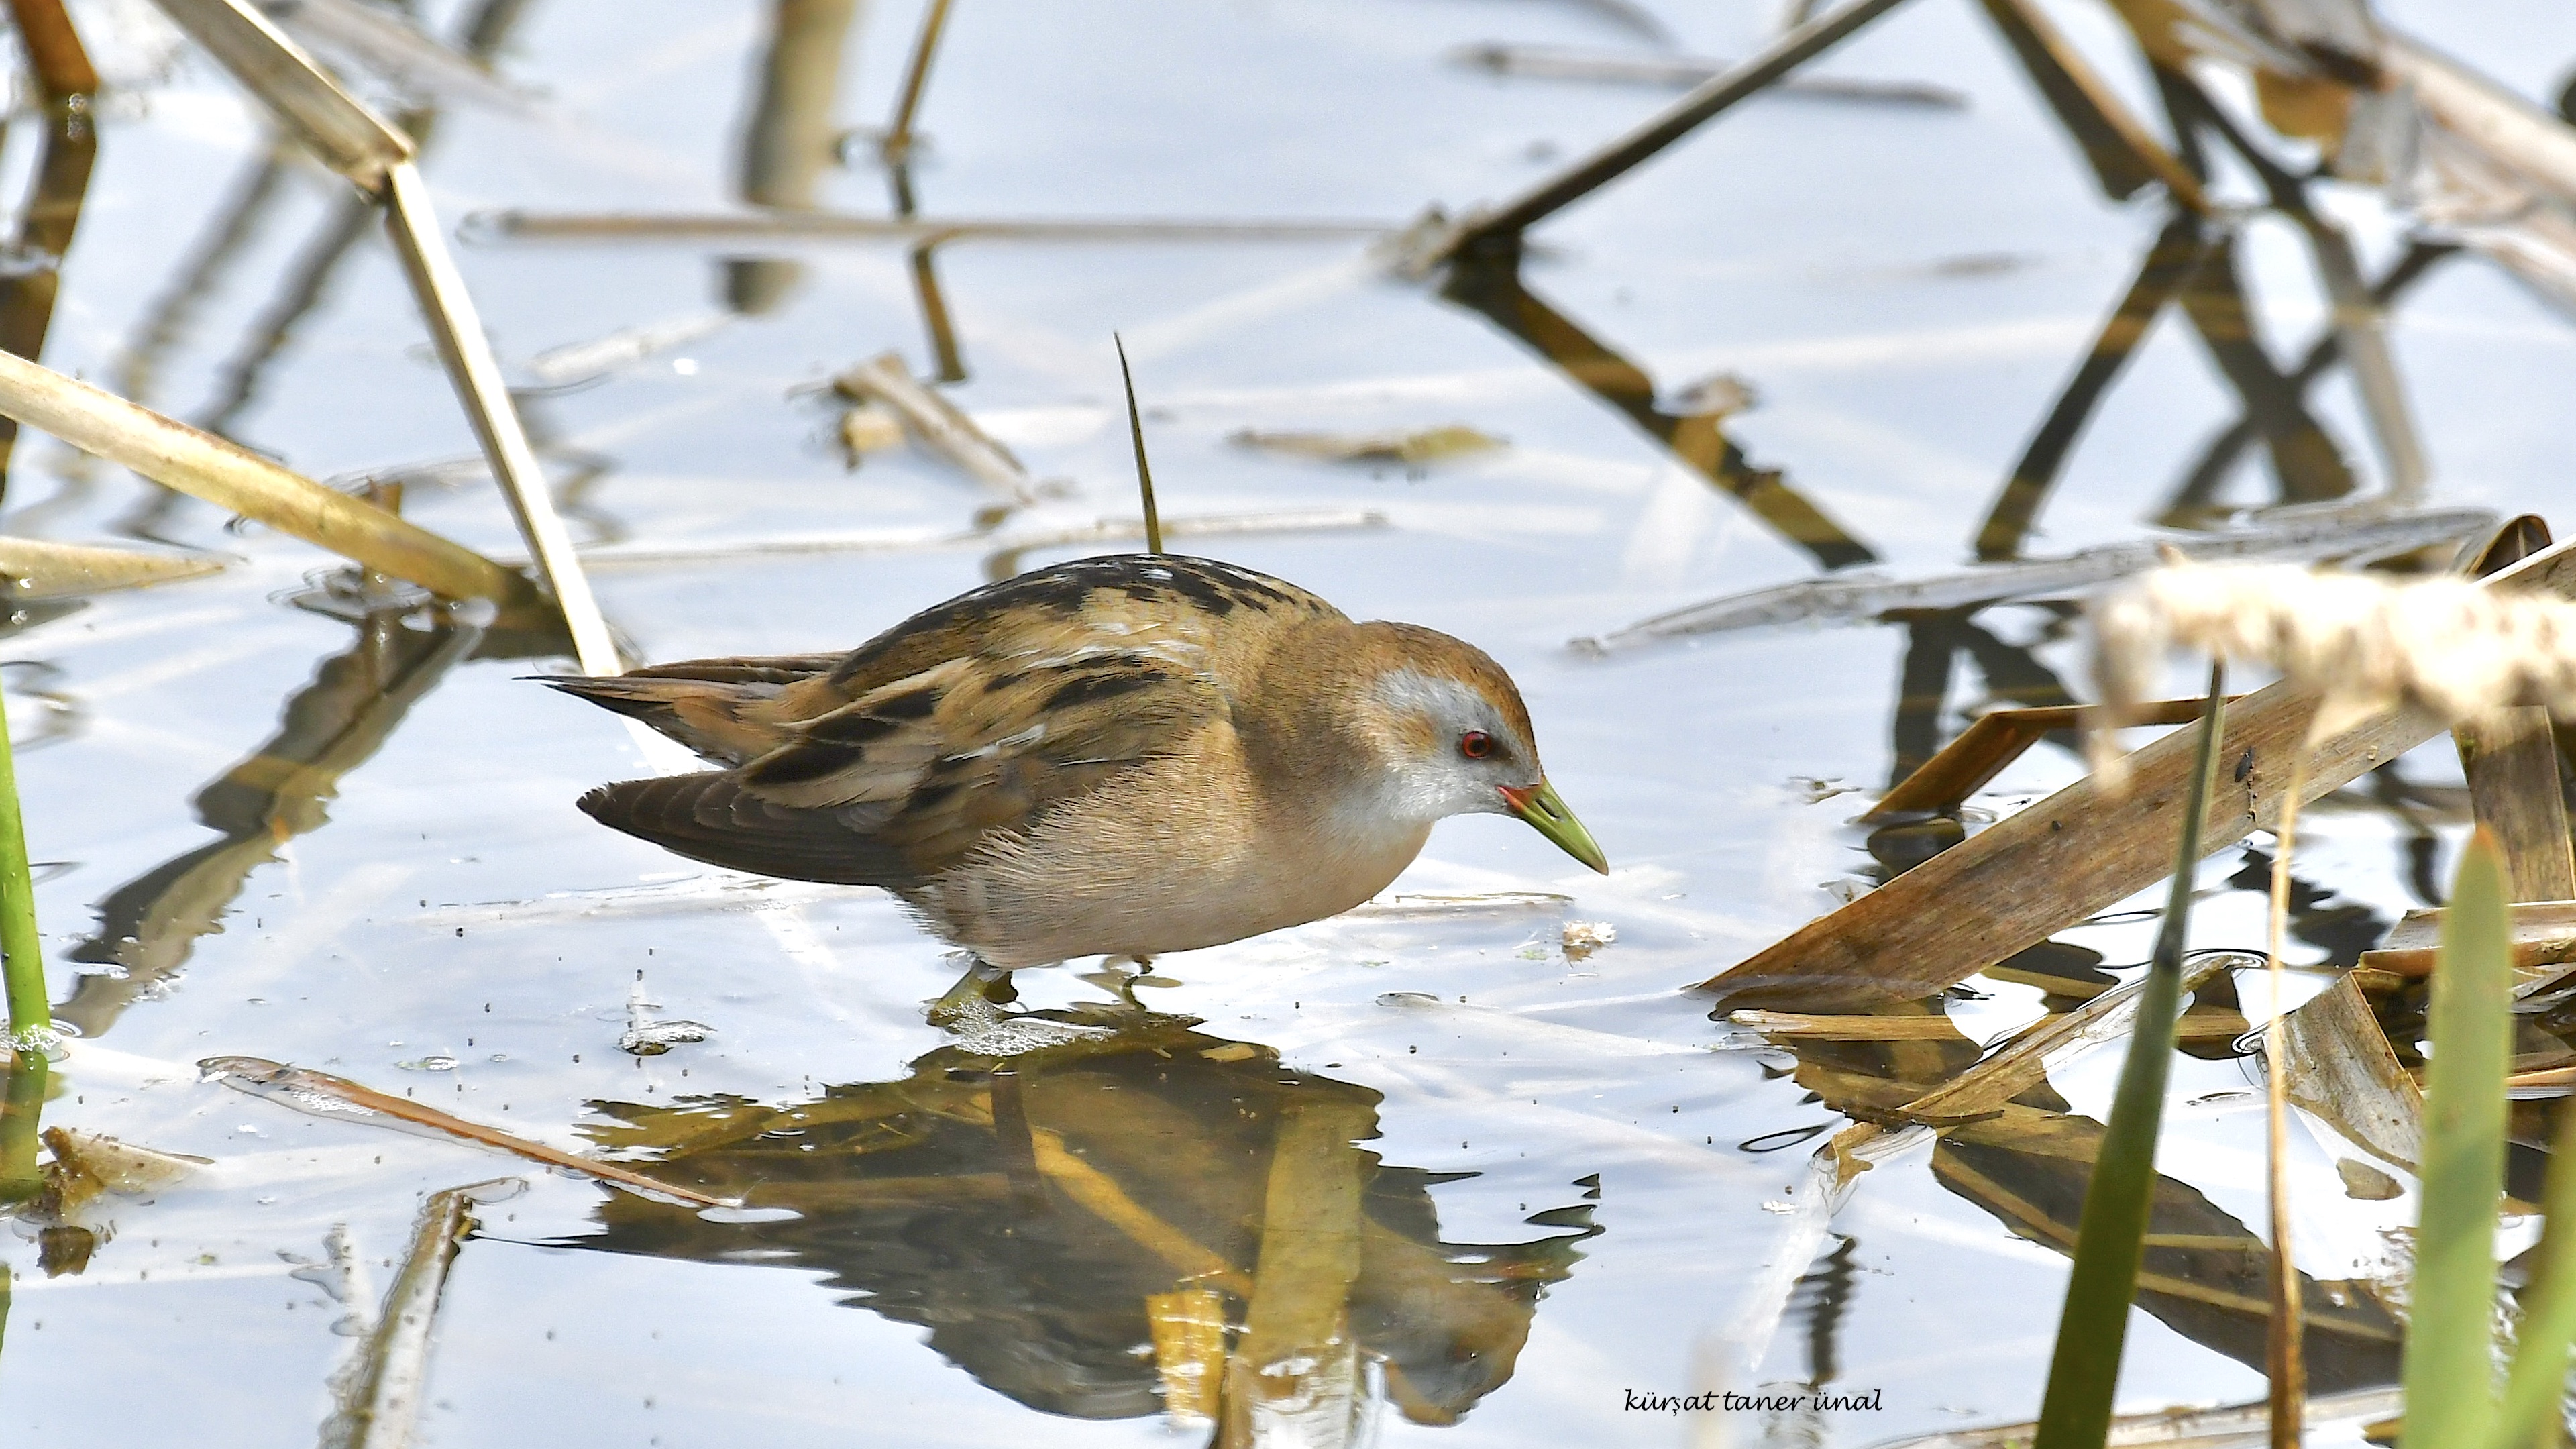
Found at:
<point>983,986</point>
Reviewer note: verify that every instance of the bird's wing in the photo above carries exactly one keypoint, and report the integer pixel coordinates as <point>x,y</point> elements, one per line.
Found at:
<point>935,763</point>
<point>972,720</point>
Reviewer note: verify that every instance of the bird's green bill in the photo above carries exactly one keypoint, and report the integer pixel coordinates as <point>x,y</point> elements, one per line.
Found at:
<point>1545,810</point>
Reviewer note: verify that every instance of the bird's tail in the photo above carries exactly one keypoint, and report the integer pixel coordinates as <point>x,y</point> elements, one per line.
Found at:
<point>726,710</point>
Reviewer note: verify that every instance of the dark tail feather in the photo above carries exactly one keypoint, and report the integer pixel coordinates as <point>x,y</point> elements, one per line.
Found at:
<point>611,692</point>
<point>710,817</point>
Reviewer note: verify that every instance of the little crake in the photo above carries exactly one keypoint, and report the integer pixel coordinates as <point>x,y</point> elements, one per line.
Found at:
<point>1118,756</point>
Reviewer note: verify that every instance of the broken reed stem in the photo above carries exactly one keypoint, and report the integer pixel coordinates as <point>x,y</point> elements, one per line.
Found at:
<point>2284,1356</point>
<point>385,1400</point>
<point>230,477</point>
<point>2084,1369</point>
<point>340,131</point>
<point>475,375</point>
<point>22,953</point>
<point>897,147</point>
<point>1136,430</point>
<point>54,49</point>
<point>354,141</point>
<point>1588,174</point>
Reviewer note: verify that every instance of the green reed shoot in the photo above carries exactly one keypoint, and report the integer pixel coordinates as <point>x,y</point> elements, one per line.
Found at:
<point>22,955</point>
<point>2111,1237</point>
<point>2449,1374</point>
<point>2450,1397</point>
<point>1136,430</point>
<point>2530,1413</point>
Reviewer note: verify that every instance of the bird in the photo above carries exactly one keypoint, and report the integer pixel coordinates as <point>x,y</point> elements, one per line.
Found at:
<point>1120,756</point>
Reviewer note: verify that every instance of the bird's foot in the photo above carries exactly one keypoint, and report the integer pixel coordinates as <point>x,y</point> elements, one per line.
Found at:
<point>976,999</point>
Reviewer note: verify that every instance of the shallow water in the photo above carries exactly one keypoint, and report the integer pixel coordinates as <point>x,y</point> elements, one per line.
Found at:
<point>351,845</point>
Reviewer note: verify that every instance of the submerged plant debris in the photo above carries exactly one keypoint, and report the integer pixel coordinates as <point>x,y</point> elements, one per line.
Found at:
<point>1926,327</point>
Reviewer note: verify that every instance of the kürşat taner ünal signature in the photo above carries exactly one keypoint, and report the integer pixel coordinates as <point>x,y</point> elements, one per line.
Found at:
<point>1719,1402</point>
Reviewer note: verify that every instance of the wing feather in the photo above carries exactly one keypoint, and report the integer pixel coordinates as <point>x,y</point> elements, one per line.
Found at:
<point>961,752</point>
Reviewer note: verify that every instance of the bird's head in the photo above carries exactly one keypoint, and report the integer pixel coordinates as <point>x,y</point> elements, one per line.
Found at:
<point>1453,738</point>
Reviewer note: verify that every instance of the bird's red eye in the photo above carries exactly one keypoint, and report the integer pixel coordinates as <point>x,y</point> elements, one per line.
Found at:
<point>1475,744</point>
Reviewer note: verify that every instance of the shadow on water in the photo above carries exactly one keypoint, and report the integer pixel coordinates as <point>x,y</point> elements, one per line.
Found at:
<point>790,139</point>
<point>1142,1220</point>
<point>1489,282</point>
<point>32,280</point>
<point>149,926</point>
<point>2206,1275</point>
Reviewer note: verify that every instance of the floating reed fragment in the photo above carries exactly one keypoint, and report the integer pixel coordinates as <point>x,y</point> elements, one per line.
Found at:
<point>581,361</point>
<point>2200,1024</point>
<point>378,1394</point>
<point>230,477</point>
<point>323,1094</point>
<point>1479,903</point>
<point>823,226</point>
<point>87,1164</point>
<point>2450,646</point>
<point>1417,449</point>
<point>34,568</point>
<point>939,426</point>
<point>1865,596</point>
<point>1620,67</point>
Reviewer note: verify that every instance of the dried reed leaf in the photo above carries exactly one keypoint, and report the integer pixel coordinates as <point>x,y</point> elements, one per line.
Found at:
<point>203,466</point>
<point>2338,1066</point>
<point>120,1167</point>
<point>324,1094</point>
<point>32,568</point>
<point>1621,67</point>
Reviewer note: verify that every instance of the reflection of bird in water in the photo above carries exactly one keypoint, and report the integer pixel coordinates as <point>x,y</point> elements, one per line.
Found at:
<point>1118,756</point>
<point>1052,1217</point>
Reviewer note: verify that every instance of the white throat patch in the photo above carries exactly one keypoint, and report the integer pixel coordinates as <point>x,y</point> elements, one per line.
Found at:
<point>1423,787</point>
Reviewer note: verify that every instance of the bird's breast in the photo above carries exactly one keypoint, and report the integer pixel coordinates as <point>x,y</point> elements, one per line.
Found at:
<point>1172,859</point>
